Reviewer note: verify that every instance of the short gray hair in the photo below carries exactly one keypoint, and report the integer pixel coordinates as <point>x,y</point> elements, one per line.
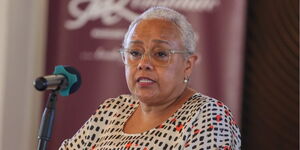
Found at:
<point>188,35</point>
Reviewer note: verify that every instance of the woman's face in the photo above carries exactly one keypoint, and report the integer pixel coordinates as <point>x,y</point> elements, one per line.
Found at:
<point>151,84</point>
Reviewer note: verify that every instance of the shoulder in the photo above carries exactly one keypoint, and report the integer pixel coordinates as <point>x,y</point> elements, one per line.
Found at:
<point>88,134</point>
<point>206,111</point>
<point>205,104</point>
<point>210,109</point>
<point>116,102</point>
<point>213,123</point>
<point>111,105</point>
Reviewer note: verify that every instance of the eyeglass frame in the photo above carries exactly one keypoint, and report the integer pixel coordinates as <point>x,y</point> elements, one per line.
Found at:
<point>170,51</point>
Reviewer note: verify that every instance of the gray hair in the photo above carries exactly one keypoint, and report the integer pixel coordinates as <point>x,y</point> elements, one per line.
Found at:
<point>188,35</point>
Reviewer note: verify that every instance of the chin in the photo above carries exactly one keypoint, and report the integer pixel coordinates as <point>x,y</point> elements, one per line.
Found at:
<point>146,98</point>
<point>148,101</point>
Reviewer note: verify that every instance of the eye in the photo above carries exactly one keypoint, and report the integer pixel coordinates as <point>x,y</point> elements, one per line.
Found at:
<point>135,53</point>
<point>161,54</point>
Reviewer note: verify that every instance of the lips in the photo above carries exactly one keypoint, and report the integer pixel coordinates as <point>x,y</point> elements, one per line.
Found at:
<point>145,81</point>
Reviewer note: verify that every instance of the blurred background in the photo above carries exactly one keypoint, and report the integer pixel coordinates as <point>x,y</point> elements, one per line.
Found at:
<point>249,59</point>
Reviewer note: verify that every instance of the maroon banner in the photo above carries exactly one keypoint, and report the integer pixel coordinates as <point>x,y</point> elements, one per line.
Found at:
<point>87,34</point>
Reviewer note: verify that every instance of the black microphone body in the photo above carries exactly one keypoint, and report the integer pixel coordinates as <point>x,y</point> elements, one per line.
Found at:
<point>47,122</point>
<point>51,82</point>
<point>65,79</point>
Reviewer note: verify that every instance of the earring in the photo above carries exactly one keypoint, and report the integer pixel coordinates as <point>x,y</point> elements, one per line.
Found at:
<point>186,80</point>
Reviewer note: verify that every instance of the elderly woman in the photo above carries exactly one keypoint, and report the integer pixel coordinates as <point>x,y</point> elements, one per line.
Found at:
<point>162,112</point>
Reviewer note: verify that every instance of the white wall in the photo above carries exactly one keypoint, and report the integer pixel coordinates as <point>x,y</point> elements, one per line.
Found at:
<point>3,41</point>
<point>22,50</point>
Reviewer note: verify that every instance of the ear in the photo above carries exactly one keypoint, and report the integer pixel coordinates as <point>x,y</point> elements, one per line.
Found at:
<point>189,64</point>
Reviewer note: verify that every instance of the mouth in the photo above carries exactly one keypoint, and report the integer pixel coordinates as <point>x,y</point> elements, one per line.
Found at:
<point>145,81</point>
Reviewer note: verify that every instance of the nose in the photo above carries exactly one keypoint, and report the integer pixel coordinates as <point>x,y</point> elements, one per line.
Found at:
<point>145,63</point>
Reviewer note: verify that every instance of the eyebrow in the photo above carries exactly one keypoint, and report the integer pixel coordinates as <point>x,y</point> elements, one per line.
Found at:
<point>136,42</point>
<point>161,41</point>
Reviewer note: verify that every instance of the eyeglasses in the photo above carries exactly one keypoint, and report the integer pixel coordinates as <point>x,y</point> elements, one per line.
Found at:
<point>158,57</point>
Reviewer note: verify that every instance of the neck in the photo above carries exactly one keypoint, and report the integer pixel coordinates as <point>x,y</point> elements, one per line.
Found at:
<point>166,108</point>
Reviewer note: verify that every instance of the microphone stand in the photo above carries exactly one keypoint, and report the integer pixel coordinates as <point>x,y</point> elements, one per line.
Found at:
<point>47,121</point>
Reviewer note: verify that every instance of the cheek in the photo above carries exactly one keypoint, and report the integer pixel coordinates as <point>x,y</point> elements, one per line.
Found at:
<point>173,75</point>
<point>129,74</point>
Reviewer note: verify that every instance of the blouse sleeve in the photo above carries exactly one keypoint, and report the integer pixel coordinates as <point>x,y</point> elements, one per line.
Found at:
<point>78,140</point>
<point>214,128</point>
<point>81,139</point>
<point>84,138</point>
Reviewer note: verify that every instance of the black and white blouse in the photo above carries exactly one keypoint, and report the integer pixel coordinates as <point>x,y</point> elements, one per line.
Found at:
<point>201,123</point>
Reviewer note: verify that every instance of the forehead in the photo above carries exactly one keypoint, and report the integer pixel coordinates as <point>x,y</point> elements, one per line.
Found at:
<point>154,31</point>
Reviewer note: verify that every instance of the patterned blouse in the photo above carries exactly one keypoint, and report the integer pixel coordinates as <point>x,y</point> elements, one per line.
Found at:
<point>201,123</point>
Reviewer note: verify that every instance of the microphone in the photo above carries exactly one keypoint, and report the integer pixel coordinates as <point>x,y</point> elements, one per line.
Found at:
<point>65,79</point>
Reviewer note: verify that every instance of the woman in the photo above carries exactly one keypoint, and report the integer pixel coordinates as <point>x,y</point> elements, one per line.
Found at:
<point>162,112</point>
